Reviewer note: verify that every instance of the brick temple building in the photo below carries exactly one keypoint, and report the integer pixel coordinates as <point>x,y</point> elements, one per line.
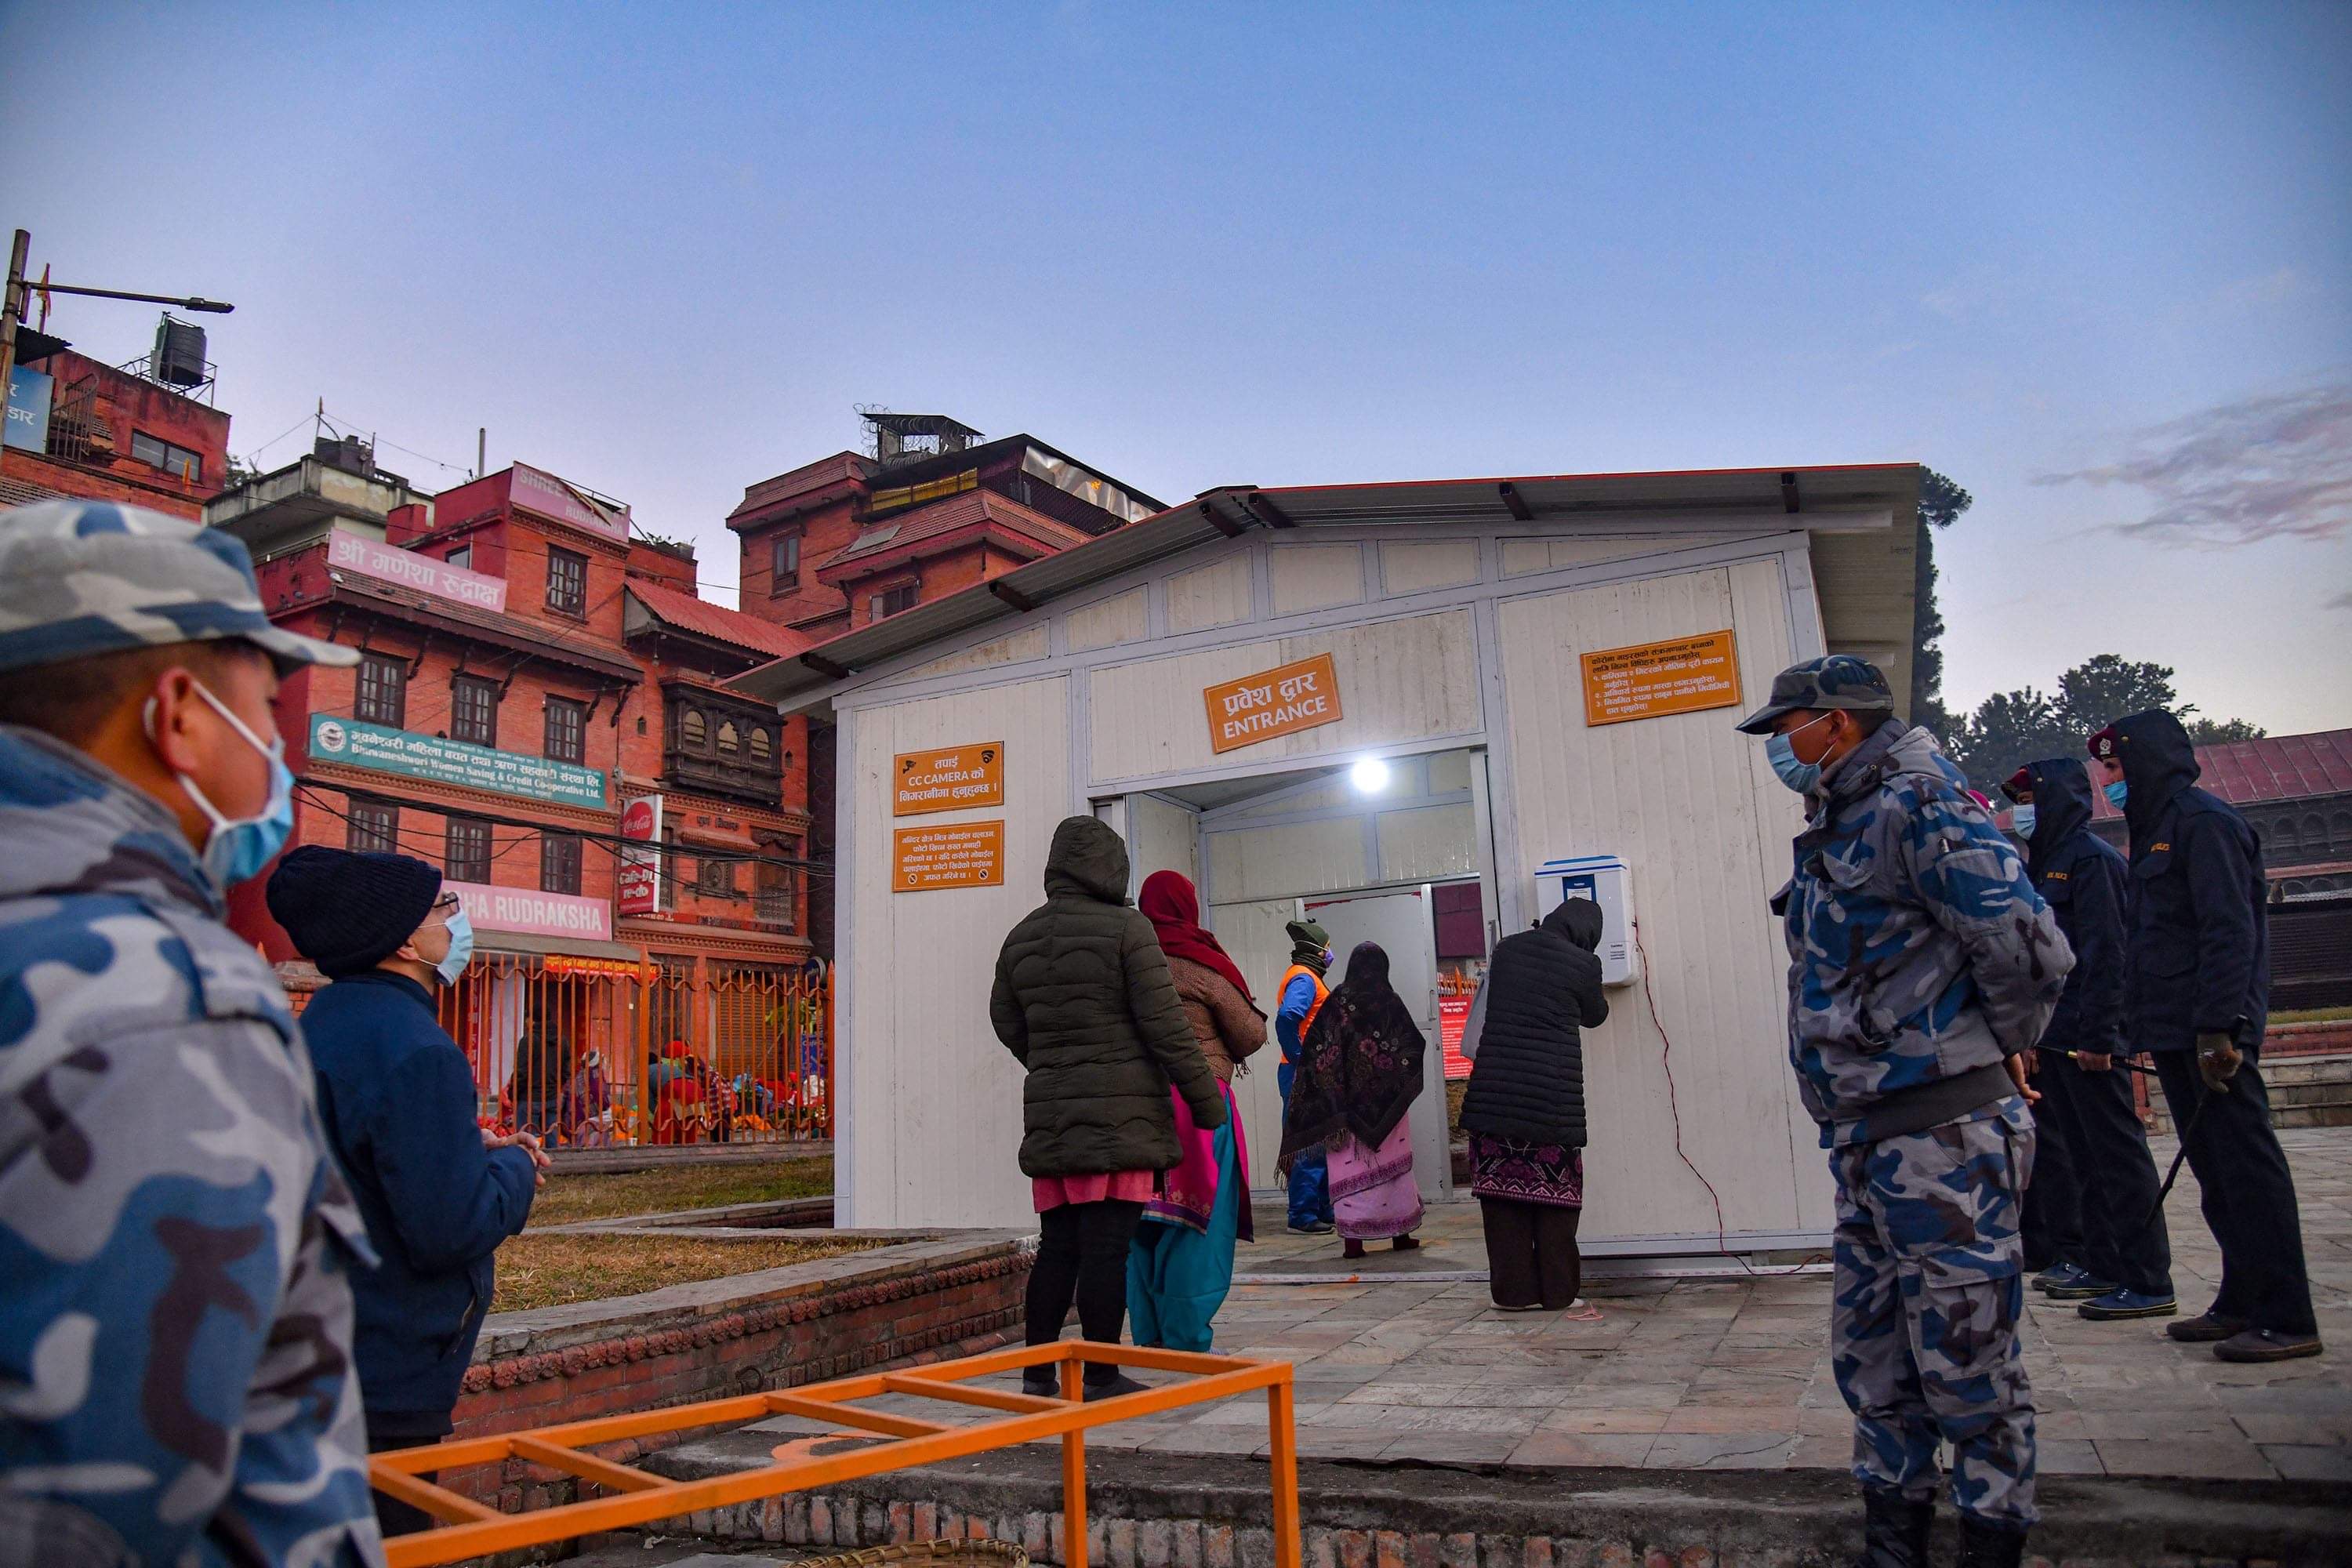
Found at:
<point>145,434</point>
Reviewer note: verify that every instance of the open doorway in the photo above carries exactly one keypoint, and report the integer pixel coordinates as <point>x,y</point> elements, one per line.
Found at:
<point>1400,854</point>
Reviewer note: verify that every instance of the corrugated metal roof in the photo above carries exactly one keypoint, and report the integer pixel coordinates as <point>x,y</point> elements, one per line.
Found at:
<point>701,616</point>
<point>2276,767</point>
<point>1815,496</point>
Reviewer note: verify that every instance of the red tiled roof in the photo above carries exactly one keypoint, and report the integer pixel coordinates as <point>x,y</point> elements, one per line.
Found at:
<point>2276,767</point>
<point>701,616</point>
<point>894,534</point>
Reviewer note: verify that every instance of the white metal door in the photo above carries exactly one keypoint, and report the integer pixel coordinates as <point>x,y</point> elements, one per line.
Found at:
<point>1403,924</point>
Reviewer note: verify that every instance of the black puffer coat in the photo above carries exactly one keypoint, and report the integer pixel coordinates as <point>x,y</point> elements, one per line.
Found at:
<point>1084,999</point>
<point>1527,1081</point>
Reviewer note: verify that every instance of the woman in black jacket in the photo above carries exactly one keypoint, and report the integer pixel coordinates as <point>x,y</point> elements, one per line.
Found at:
<point>1525,1108</point>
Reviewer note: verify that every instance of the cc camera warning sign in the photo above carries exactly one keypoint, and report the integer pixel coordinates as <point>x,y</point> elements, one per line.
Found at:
<point>949,780</point>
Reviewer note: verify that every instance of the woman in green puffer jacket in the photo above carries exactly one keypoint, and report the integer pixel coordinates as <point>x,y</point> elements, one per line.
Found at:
<point>1084,1000</point>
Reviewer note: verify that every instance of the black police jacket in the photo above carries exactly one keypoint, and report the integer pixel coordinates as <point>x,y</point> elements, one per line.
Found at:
<point>2083,880</point>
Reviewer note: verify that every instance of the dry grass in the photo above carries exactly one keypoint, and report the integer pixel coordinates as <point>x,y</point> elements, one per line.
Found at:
<point>556,1270</point>
<point>2312,1016</point>
<point>566,1198</point>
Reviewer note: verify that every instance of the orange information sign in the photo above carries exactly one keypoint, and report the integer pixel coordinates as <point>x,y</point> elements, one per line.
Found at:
<point>949,780</point>
<point>1274,702</point>
<point>1687,675</point>
<point>956,854</point>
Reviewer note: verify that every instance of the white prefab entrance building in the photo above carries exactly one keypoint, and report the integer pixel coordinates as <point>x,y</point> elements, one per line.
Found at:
<point>1440,630</point>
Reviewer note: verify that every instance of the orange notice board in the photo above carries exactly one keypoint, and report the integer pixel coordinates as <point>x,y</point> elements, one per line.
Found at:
<point>1273,702</point>
<point>949,780</point>
<point>960,855</point>
<point>1687,674</point>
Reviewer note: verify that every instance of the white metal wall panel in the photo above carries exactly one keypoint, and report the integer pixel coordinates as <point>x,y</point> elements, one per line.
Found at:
<point>1703,824</point>
<point>1522,556</point>
<point>1106,623</point>
<point>1438,564</point>
<point>1293,859</point>
<point>1160,837</point>
<point>1253,934</point>
<point>1314,576</point>
<point>1014,648</point>
<point>935,1099</point>
<point>1399,681</point>
<point>1431,843</point>
<point>1216,595</point>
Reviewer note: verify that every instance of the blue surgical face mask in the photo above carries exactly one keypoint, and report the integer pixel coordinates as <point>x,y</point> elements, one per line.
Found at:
<point>2116,792</point>
<point>1797,776</point>
<point>2021,818</point>
<point>238,848</point>
<point>461,948</point>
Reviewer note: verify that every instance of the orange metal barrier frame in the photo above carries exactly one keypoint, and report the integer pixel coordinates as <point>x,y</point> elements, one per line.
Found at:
<point>472,1529</point>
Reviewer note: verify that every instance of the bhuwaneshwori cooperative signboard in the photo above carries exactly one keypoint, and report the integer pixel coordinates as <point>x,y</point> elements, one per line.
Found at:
<point>373,558</point>
<point>357,744</point>
<point>949,780</point>
<point>962,855</point>
<point>1273,702</point>
<point>1685,675</point>
<point>539,914</point>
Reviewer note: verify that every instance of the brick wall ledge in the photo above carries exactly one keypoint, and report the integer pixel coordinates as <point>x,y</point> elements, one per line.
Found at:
<point>558,1342</point>
<point>1183,1510</point>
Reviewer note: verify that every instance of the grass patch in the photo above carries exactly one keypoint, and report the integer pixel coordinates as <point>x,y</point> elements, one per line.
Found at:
<point>2312,1016</point>
<point>566,1198</point>
<point>557,1270</point>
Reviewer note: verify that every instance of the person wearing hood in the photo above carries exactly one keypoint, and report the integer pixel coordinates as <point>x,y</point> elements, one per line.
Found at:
<point>1181,1264</point>
<point>1524,1109</point>
<point>2197,996</point>
<point>1084,1001</point>
<point>176,1333</point>
<point>1298,999</point>
<point>2087,1098</point>
<point>1922,967</point>
<point>1359,1074</point>
<point>397,1098</point>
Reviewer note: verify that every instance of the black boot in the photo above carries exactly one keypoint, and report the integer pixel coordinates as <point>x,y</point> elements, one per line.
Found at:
<point>1894,1530</point>
<point>1985,1545</point>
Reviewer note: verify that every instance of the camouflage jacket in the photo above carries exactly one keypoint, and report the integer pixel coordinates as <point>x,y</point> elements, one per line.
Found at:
<point>175,1376</point>
<point>1919,954</point>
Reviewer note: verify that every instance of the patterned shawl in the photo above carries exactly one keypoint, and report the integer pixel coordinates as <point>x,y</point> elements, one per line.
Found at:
<point>1361,1064</point>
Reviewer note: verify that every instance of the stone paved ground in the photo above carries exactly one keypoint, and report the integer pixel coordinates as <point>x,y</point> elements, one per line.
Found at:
<point>1733,1373</point>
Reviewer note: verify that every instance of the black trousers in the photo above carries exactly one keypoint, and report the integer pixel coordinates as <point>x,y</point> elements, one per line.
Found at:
<point>2114,1173</point>
<point>2051,1221</point>
<point>2246,1191</point>
<point>1531,1256</point>
<point>1082,1256</point>
<point>393,1517</point>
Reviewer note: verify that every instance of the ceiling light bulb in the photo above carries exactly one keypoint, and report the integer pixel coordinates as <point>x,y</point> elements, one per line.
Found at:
<point>1369,776</point>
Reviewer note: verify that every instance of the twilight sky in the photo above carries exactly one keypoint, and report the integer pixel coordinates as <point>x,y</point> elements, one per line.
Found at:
<point>2095,262</point>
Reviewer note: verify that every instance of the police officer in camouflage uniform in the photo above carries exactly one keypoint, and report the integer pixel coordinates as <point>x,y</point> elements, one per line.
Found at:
<point>1922,965</point>
<point>176,1332</point>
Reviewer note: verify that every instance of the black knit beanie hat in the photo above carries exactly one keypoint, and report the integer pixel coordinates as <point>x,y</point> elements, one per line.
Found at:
<point>348,911</point>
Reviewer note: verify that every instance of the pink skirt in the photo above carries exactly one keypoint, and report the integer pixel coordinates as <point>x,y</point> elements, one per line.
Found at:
<point>1127,1186</point>
<point>1372,1192</point>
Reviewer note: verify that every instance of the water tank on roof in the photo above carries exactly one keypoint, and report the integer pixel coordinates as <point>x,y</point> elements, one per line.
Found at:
<point>179,356</point>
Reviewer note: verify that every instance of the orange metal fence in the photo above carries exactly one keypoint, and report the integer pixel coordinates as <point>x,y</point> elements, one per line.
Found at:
<point>594,1053</point>
<point>635,1497</point>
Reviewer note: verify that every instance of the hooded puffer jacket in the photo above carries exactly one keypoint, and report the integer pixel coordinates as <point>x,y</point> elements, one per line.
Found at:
<point>2200,932</point>
<point>1543,986</point>
<point>2081,878</point>
<point>1083,998</point>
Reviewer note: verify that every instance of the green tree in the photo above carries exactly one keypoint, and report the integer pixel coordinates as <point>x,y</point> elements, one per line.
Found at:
<point>2100,691</point>
<point>2219,731</point>
<point>2008,730</point>
<point>1940,504</point>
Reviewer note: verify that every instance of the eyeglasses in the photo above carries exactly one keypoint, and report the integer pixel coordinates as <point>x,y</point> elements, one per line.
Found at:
<point>446,904</point>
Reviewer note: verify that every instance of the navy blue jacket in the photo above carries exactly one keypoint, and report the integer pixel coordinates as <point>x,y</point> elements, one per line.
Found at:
<point>2083,880</point>
<point>2201,959</point>
<point>398,1101</point>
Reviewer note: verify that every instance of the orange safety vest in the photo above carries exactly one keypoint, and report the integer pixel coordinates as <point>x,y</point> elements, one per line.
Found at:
<point>1321,991</point>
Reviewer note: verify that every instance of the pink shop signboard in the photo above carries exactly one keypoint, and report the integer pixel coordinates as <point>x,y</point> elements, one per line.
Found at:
<point>540,915</point>
<point>373,558</point>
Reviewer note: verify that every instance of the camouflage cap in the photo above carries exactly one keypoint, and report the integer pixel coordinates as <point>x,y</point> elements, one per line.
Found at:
<point>81,578</point>
<point>1832,680</point>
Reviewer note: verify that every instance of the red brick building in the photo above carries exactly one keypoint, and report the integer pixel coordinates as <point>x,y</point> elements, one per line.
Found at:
<point>81,428</point>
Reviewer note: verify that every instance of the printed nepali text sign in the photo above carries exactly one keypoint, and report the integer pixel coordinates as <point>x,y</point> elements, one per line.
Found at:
<point>373,558</point>
<point>545,494</point>
<point>966,854</point>
<point>640,892</point>
<point>944,781</point>
<point>1687,674</point>
<point>356,744</point>
<point>1274,702</point>
<point>540,915</point>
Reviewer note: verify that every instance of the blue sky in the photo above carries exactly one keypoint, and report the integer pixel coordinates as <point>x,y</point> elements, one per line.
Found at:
<point>663,253</point>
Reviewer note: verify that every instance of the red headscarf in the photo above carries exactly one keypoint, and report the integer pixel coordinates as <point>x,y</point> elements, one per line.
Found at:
<point>1173,905</point>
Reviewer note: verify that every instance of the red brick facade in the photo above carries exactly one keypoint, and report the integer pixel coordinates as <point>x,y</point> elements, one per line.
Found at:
<point>98,415</point>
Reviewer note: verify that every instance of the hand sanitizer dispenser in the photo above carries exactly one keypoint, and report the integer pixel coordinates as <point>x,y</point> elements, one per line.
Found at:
<point>1604,879</point>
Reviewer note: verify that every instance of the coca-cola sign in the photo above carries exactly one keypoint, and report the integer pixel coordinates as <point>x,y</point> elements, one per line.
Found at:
<point>640,879</point>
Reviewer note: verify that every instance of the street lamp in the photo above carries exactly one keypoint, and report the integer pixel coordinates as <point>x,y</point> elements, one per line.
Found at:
<point>15,308</point>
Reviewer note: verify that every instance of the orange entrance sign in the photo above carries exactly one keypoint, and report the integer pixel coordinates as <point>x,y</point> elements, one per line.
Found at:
<point>1687,674</point>
<point>1273,702</point>
<point>949,780</point>
<point>960,855</point>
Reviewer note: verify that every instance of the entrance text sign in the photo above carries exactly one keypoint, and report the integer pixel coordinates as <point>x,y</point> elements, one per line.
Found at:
<point>1687,674</point>
<point>410,568</point>
<point>949,781</point>
<point>1274,702</point>
<point>356,744</point>
<point>961,855</point>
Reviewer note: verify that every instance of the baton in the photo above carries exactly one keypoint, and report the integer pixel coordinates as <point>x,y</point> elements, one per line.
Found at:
<point>2123,1062</point>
